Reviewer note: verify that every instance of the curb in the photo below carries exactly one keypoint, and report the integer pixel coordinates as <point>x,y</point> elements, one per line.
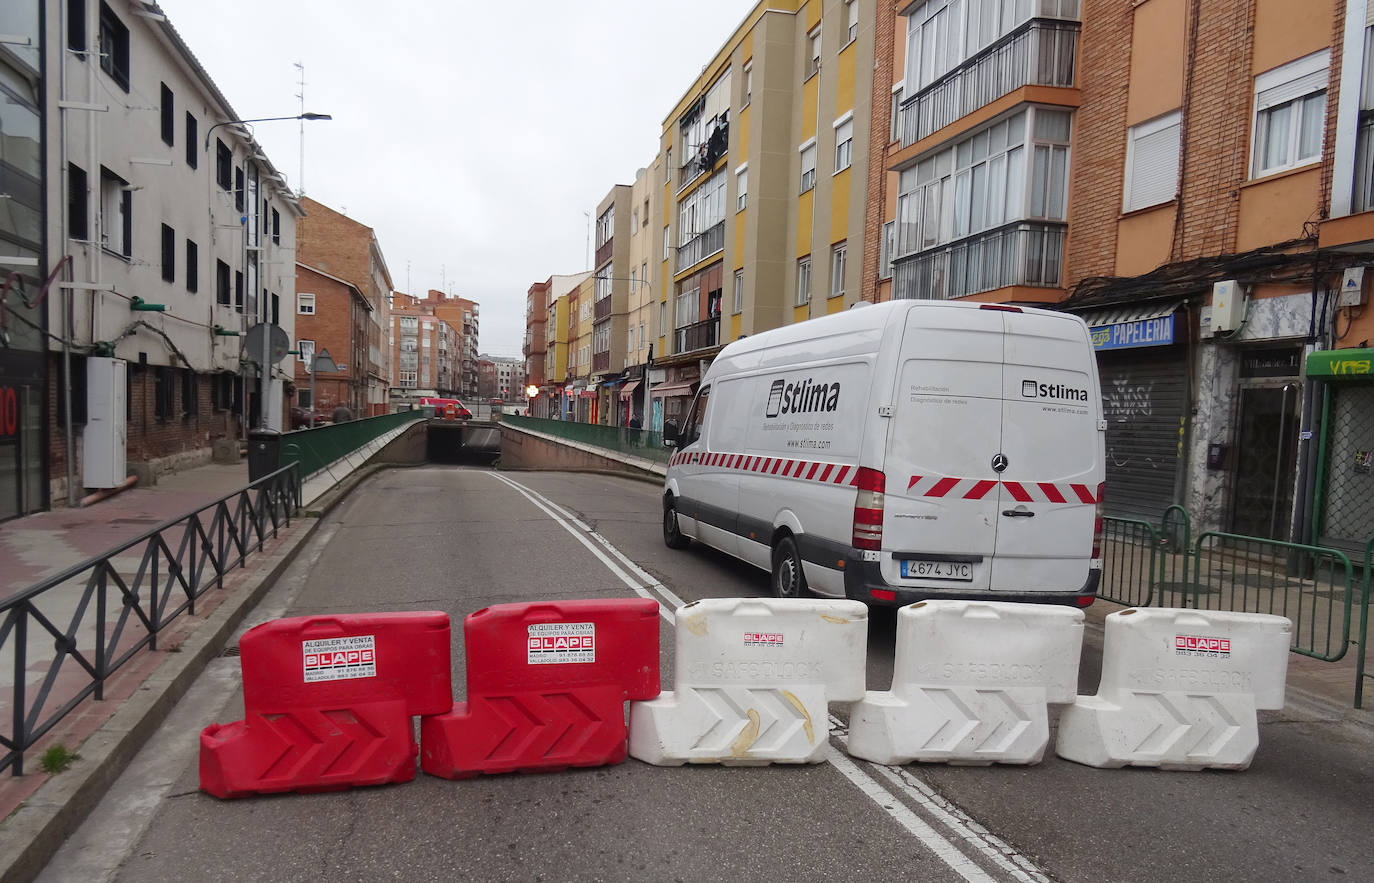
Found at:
<point>34,832</point>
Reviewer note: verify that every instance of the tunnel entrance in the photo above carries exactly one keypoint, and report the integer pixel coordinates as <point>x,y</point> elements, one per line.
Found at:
<point>462,444</point>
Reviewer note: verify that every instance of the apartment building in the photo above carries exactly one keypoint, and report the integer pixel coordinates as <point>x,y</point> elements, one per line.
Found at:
<point>641,300</point>
<point>763,193</point>
<point>507,376</point>
<point>333,242</point>
<point>581,327</point>
<point>333,316</point>
<point>151,232</point>
<point>426,359</point>
<point>464,317</point>
<point>550,401</point>
<point>615,218</point>
<point>536,316</point>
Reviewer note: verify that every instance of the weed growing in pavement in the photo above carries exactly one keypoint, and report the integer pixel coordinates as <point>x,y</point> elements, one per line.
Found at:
<point>57,758</point>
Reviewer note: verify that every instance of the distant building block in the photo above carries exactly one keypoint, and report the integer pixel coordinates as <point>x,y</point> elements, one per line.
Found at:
<point>328,702</point>
<point>547,686</point>
<point>970,684</point>
<point>1179,690</point>
<point>754,679</point>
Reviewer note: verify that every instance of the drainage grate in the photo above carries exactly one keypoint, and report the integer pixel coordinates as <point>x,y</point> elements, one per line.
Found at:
<point>230,651</point>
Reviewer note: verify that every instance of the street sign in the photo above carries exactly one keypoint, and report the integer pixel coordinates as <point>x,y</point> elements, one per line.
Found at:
<point>277,341</point>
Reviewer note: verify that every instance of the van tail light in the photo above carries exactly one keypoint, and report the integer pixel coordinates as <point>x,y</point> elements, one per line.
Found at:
<point>868,509</point>
<point>1005,308</point>
<point>1097,530</point>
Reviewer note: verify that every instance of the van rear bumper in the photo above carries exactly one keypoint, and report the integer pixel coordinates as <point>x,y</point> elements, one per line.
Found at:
<point>861,578</point>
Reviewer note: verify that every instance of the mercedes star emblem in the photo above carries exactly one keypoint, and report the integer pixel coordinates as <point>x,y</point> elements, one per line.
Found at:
<point>999,463</point>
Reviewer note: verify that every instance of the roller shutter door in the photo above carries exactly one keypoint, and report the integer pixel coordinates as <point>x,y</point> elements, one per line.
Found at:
<point>1144,397</point>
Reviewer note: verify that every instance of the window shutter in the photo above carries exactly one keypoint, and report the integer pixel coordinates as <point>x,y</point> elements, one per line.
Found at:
<point>1284,92</point>
<point>1154,168</point>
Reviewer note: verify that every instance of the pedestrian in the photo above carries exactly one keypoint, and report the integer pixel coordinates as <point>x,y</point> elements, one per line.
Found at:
<point>634,422</point>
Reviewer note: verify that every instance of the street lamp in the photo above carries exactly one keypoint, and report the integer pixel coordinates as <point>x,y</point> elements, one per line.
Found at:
<point>299,116</point>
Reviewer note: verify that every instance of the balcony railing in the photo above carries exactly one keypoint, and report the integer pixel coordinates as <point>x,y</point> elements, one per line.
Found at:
<point>1020,253</point>
<point>697,336</point>
<point>603,252</point>
<point>601,361</point>
<point>1041,54</point>
<point>701,246</point>
<point>603,308</point>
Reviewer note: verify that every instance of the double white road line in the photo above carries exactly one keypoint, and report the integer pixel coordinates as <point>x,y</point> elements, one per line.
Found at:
<point>966,847</point>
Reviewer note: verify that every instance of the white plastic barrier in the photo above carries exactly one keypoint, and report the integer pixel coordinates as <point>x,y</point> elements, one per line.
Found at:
<point>753,682</point>
<point>1180,689</point>
<point>971,684</point>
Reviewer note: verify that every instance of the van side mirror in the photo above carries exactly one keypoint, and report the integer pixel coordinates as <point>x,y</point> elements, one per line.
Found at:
<point>671,435</point>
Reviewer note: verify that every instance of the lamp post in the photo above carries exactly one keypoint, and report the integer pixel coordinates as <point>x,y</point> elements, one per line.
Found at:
<point>320,361</point>
<point>299,116</point>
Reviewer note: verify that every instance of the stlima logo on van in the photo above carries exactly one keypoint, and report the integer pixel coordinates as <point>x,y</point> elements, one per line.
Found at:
<point>1034,389</point>
<point>801,398</point>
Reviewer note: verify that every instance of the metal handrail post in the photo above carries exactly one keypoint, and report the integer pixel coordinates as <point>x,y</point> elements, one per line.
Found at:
<point>1364,623</point>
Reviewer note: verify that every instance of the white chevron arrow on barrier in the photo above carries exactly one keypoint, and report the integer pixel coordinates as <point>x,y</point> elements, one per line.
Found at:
<point>1203,719</point>
<point>997,723</point>
<point>751,722</point>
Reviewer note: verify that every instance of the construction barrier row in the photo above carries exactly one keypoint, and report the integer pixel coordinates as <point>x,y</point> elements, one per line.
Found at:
<point>329,701</point>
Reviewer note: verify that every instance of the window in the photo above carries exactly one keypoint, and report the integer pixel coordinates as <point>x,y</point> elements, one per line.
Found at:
<point>192,143</point>
<point>804,281</point>
<point>748,84</point>
<point>738,306</point>
<point>276,308</point>
<point>116,214</point>
<point>190,393</point>
<point>662,316</point>
<point>1151,162</point>
<point>192,266</point>
<point>238,189</point>
<point>837,267</point>
<point>630,340</point>
<point>813,43</point>
<point>634,220</point>
<point>306,348</point>
<point>114,47</point>
<point>222,283</point>
<point>644,273</point>
<point>238,290</point>
<point>1290,114</point>
<point>76,26</point>
<point>305,306</point>
<point>605,226</point>
<point>276,227</point>
<point>646,213</point>
<point>78,200</point>
<point>887,247</point>
<point>851,9</point>
<point>168,117</point>
<point>164,392</point>
<point>808,166</point>
<point>741,188</point>
<point>943,34</point>
<point>169,254</point>
<point>666,248</point>
<point>844,143</point>
<point>642,339</point>
<point>224,164</point>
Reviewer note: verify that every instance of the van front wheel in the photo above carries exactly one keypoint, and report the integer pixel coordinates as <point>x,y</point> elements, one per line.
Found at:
<point>789,581</point>
<point>672,537</point>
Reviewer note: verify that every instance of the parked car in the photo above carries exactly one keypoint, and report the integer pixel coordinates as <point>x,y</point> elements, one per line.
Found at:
<point>302,418</point>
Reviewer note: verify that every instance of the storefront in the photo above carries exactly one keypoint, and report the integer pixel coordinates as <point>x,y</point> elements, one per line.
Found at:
<point>1345,465</point>
<point>1142,360</point>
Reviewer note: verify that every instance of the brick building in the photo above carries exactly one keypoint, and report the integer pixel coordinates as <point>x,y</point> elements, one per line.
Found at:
<point>332,314</point>
<point>426,358</point>
<point>330,241</point>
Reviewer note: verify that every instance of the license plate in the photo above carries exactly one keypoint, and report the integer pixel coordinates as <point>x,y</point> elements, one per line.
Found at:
<point>955,570</point>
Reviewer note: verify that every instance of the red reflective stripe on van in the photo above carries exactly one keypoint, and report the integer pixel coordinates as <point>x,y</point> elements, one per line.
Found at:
<point>1052,491</point>
<point>839,479</point>
<point>777,464</point>
<point>1084,495</point>
<point>911,484</point>
<point>815,467</point>
<point>980,490</point>
<point>1017,492</point>
<point>825,475</point>
<point>942,487</point>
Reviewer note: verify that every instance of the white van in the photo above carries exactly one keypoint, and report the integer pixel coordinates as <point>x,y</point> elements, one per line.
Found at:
<point>906,450</point>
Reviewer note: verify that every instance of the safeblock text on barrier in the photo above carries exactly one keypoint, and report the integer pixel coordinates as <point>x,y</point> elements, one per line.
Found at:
<point>753,682</point>
<point>971,684</point>
<point>547,684</point>
<point>328,702</point>
<point>1180,690</point>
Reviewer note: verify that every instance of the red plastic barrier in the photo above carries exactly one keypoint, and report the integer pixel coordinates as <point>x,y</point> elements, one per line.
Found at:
<point>328,702</point>
<point>547,686</point>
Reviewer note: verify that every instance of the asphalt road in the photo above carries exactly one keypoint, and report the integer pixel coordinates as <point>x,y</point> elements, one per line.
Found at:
<point>459,538</point>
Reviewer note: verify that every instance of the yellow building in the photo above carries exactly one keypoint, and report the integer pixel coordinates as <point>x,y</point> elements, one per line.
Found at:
<point>763,193</point>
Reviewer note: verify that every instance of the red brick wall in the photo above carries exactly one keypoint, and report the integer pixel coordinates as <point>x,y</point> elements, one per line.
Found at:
<point>339,326</point>
<point>883,78</point>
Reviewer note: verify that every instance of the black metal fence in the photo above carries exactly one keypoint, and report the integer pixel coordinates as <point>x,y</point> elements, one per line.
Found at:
<point>94,617</point>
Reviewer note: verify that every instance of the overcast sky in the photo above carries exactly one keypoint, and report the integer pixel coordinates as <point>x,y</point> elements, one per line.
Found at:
<point>471,136</point>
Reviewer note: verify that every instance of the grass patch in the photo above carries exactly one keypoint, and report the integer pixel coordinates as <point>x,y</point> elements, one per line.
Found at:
<point>57,758</point>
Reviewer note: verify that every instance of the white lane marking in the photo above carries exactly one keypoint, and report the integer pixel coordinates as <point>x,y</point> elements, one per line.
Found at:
<point>990,846</point>
<point>951,816</point>
<point>581,538</point>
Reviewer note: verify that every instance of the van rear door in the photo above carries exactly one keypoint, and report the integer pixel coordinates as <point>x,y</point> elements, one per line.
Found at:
<point>940,518</point>
<point>1054,457</point>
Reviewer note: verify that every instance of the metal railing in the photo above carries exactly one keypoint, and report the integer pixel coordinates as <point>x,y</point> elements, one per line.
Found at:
<point>701,246</point>
<point>1040,55</point>
<point>631,442</point>
<point>1313,586</point>
<point>95,616</point>
<point>697,336</point>
<point>1020,253</point>
<point>315,449</point>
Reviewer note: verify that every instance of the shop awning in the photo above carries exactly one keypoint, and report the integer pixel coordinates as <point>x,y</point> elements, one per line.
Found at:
<point>588,393</point>
<point>1347,364</point>
<point>672,389</point>
<point>1132,325</point>
<point>628,389</point>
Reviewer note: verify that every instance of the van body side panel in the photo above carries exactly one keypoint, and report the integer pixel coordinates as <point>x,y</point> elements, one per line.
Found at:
<point>710,493</point>
<point>1055,461</point>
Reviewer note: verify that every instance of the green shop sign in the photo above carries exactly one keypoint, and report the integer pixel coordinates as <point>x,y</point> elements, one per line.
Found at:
<point>1351,364</point>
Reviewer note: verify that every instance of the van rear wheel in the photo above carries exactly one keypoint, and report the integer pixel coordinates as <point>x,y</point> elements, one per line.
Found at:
<point>672,537</point>
<point>789,581</point>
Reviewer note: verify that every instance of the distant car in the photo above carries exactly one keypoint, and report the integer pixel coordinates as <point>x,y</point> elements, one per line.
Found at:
<point>301,418</point>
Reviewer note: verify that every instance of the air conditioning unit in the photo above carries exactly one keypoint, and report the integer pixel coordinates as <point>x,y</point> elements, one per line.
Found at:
<point>1228,306</point>
<point>105,441</point>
